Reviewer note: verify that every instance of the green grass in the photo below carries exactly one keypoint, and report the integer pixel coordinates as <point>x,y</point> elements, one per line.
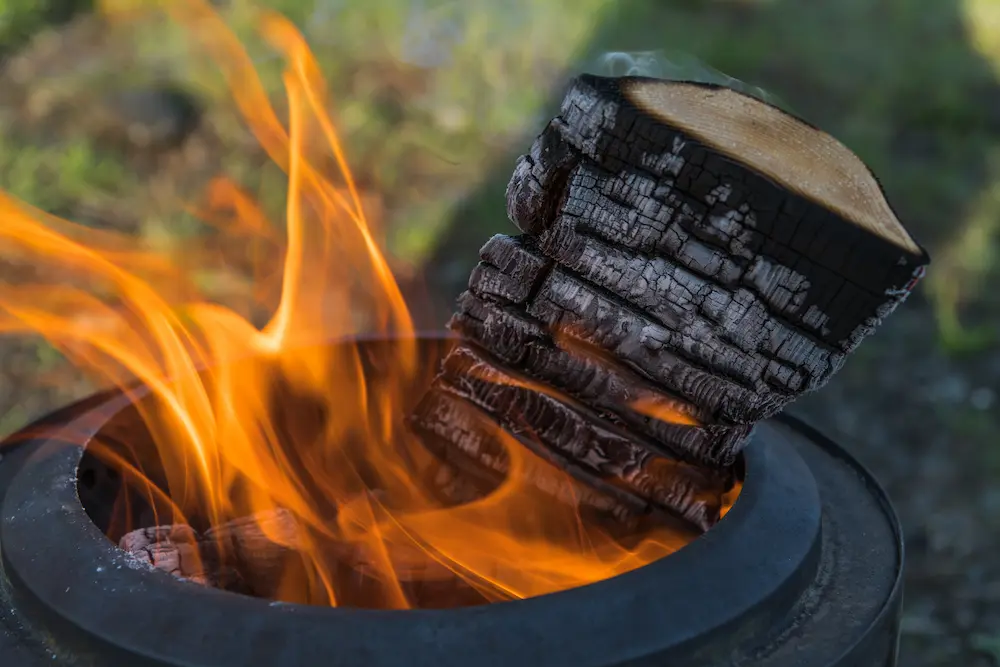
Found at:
<point>20,20</point>
<point>61,176</point>
<point>427,95</point>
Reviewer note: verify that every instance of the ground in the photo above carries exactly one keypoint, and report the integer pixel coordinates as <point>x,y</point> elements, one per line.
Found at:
<point>435,100</point>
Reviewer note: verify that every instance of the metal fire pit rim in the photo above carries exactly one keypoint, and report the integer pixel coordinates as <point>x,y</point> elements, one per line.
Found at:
<point>893,600</point>
<point>46,487</point>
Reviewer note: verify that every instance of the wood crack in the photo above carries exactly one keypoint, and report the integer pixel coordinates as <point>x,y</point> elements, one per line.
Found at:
<point>775,315</point>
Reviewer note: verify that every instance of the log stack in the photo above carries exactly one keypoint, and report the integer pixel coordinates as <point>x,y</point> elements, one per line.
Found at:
<point>691,260</point>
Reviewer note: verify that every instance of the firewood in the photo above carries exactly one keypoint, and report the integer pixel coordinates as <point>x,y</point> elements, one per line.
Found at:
<point>478,459</point>
<point>239,555</point>
<point>172,549</point>
<point>254,554</point>
<point>473,446</point>
<point>576,436</point>
<point>692,260</point>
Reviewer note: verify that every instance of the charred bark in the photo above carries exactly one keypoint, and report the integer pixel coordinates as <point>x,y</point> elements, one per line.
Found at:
<point>477,453</point>
<point>693,260</point>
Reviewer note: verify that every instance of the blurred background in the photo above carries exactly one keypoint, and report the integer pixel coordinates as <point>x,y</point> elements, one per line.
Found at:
<point>116,124</point>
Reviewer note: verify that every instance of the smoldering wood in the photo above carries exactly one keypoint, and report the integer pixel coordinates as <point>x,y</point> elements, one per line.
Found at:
<point>668,356</point>
<point>602,381</point>
<point>628,473</point>
<point>681,360</point>
<point>252,554</point>
<point>173,549</point>
<point>477,460</point>
<point>682,242</point>
<point>238,556</point>
<point>258,549</point>
<point>595,443</point>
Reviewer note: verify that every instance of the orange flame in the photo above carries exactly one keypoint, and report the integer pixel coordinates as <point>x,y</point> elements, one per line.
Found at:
<point>664,409</point>
<point>123,312</point>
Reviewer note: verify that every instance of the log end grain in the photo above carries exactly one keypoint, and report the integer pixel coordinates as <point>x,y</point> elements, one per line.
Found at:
<point>793,153</point>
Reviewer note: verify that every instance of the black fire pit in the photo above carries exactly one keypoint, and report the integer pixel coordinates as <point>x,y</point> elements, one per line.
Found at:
<point>805,570</point>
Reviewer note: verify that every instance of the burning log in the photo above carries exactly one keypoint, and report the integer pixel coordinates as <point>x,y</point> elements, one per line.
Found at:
<point>692,260</point>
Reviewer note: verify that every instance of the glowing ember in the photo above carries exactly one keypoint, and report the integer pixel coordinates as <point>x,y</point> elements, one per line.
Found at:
<point>121,312</point>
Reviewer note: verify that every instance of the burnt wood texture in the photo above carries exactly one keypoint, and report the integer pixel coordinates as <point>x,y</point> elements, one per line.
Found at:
<point>260,554</point>
<point>240,555</point>
<point>692,259</point>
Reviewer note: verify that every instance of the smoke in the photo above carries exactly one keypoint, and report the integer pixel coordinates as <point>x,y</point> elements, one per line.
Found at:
<point>634,63</point>
<point>675,67</point>
<point>429,31</point>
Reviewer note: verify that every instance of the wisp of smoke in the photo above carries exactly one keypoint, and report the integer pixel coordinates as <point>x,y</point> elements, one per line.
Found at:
<point>675,67</point>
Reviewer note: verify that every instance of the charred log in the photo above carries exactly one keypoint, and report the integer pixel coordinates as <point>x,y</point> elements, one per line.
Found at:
<point>693,259</point>
<point>612,386</point>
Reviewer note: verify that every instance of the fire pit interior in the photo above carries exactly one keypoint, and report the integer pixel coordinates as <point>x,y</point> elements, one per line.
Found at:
<point>124,490</point>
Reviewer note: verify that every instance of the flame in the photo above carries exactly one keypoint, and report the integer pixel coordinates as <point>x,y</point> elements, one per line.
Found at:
<point>664,409</point>
<point>123,313</point>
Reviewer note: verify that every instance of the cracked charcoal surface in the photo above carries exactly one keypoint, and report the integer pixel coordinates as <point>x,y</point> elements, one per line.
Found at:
<point>476,460</point>
<point>606,385</point>
<point>655,266</point>
<point>576,434</point>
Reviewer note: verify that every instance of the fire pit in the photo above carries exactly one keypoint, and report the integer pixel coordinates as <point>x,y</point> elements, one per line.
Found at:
<point>589,473</point>
<point>804,570</point>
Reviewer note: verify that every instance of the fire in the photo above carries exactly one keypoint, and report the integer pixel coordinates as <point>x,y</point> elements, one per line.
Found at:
<point>123,312</point>
<point>663,409</point>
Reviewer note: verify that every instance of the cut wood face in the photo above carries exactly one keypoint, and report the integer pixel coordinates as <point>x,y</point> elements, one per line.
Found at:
<point>799,157</point>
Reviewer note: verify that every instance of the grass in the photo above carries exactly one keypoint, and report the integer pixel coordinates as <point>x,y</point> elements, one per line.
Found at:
<point>63,176</point>
<point>20,20</point>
